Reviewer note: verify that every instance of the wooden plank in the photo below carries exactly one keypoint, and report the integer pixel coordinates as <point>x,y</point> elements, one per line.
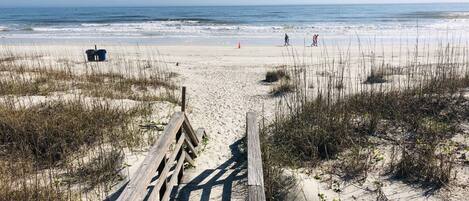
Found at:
<point>255,176</point>
<point>190,131</point>
<point>164,174</point>
<point>137,187</point>
<point>256,193</point>
<point>201,134</point>
<point>160,170</point>
<point>255,173</point>
<point>174,176</point>
<point>190,160</point>
<point>191,148</point>
<point>183,99</point>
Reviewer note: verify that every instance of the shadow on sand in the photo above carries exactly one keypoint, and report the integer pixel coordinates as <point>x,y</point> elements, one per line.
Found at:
<point>230,176</point>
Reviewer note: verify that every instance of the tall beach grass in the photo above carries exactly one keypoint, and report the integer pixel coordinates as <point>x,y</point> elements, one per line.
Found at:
<point>347,103</point>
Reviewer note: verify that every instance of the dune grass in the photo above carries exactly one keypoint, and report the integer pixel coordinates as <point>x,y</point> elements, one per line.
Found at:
<point>283,88</point>
<point>72,147</point>
<point>51,135</point>
<point>33,75</point>
<point>50,131</point>
<point>417,114</point>
<point>276,75</point>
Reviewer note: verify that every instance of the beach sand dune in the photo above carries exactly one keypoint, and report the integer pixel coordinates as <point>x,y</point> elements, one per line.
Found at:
<point>223,84</point>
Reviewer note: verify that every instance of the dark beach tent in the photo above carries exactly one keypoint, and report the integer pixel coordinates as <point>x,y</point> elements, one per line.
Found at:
<point>101,55</point>
<point>90,54</point>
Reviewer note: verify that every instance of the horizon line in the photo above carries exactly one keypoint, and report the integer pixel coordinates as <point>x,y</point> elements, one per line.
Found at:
<point>224,5</point>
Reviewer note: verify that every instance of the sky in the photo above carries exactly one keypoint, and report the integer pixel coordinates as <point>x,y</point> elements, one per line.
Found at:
<point>91,3</point>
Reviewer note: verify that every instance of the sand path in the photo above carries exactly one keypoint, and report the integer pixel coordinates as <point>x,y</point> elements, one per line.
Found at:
<point>219,97</point>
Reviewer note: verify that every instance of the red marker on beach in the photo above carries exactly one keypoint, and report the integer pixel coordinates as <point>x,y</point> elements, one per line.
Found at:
<point>239,45</point>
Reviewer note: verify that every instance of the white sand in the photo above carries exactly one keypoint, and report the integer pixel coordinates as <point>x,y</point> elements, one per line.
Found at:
<point>223,84</point>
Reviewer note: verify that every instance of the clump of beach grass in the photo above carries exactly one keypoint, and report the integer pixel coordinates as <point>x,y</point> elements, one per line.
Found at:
<point>354,163</point>
<point>375,78</point>
<point>283,88</point>
<point>428,157</point>
<point>276,75</point>
<point>104,168</point>
<point>278,184</point>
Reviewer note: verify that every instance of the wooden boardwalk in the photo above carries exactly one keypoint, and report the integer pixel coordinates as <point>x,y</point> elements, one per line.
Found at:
<point>163,168</point>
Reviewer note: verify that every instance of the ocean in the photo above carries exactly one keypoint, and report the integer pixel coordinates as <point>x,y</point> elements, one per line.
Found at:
<point>231,24</point>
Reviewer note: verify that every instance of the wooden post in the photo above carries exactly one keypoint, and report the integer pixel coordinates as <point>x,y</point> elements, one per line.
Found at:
<point>95,55</point>
<point>255,174</point>
<point>183,109</point>
<point>183,106</point>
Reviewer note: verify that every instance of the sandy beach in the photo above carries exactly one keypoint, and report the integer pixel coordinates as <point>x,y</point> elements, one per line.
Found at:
<point>354,101</point>
<point>224,83</point>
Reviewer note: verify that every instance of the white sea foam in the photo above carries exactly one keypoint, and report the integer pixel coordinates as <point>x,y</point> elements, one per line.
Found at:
<point>196,29</point>
<point>457,15</point>
<point>451,24</point>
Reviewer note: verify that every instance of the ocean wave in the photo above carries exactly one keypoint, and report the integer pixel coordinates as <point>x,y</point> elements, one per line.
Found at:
<point>175,27</point>
<point>451,24</point>
<point>199,20</point>
<point>15,28</point>
<point>94,25</point>
<point>193,28</point>
<point>436,15</point>
<point>126,19</point>
<point>128,16</point>
<point>27,29</point>
<point>457,15</point>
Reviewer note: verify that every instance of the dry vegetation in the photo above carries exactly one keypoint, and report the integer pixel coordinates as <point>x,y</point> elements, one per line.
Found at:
<point>416,113</point>
<point>285,84</point>
<point>276,75</point>
<point>283,88</point>
<point>70,144</point>
<point>33,75</point>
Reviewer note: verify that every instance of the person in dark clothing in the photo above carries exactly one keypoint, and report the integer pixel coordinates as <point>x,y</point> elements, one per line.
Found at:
<point>287,40</point>
<point>315,40</point>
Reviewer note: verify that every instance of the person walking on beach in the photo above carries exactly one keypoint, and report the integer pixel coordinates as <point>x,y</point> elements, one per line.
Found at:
<point>287,40</point>
<point>315,40</point>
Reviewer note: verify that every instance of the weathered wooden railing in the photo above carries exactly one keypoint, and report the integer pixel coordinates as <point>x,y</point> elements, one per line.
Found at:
<point>255,174</point>
<point>160,161</point>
